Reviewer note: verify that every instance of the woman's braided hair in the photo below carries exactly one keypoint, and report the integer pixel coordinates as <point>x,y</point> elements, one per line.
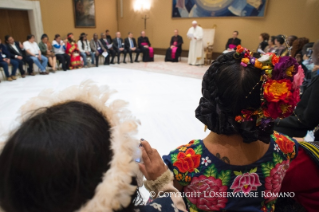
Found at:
<point>225,86</point>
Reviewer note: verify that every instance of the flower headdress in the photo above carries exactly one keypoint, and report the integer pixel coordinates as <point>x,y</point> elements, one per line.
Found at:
<point>115,191</point>
<point>280,86</point>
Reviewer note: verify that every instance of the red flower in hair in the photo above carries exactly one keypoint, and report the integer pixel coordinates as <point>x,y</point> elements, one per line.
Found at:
<point>278,90</point>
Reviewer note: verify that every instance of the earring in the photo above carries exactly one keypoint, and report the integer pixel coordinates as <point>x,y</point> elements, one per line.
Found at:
<point>205,128</point>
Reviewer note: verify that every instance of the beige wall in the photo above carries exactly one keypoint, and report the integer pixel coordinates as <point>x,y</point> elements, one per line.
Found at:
<point>298,17</point>
<point>58,18</point>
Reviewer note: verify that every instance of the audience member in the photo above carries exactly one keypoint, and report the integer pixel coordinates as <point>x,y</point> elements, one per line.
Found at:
<point>291,39</point>
<point>108,46</point>
<point>32,49</point>
<point>73,51</point>
<point>233,42</point>
<point>271,48</point>
<point>85,49</point>
<point>74,153</point>
<point>145,46</point>
<point>281,50</point>
<point>108,36</point>
<point>119,48</point>
<point>264,38</point>
<point>130,46</point>
<point>59,50</point>
<point>98,49</point>
<point>306,114</point>
<point>175,49</point>
<point>307,56</point>
<point>17,52</point>
<point>297,46</point>
<point>5,62</point>
<point>46,50</point>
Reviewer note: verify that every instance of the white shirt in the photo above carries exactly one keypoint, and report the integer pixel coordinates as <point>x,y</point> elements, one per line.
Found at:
<point>86,46</point>
<point>15,48</point>
<point>58,50</point>
<point>32,47</point>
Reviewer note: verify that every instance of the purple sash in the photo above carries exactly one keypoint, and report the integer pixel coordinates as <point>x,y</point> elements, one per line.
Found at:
<point>174,49</point>
<point>150,49</point>
<point>232,46</point>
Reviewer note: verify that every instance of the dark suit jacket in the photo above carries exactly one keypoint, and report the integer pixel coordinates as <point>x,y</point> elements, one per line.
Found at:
<point>128,45</point>
<point>143,40</point>
<point>116,45</point>
<point>104,43</point>
<point>5,51</point>
<point>13,52</point>
<point>109,39</point>
<point>235,41</point>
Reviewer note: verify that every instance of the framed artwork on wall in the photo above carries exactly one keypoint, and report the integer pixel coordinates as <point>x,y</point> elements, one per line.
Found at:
<point>218,8</point>
<point>84,13</point>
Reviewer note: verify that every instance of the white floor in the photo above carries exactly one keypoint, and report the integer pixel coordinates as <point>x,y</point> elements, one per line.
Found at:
<point>165,104</point>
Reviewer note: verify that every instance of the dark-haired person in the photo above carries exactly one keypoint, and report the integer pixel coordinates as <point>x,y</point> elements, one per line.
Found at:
<point>282,49</point>
<point>5,61</point>
<point>32,49</point>
<point>108,36</point>
<point>59,50</point>
<point>73,51</point>
<point>130,46</point>
<point>175,49</point>
<point>74,153</point>
<point>291,39</point>
<point>107,44</point>
<point>119,47</point>
<point>17,52</point>
<point>264,37</point>
<point>271,48</point>
<point>297,46</point>
<point>85,49</point>
<point>46,49</point>
<point>98,49</point>
<point>145,46</point>
<point>233,42</point>
<point>242,154</point>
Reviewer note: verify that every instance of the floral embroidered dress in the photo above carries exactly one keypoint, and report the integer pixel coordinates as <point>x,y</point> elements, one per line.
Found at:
<point>213,185</point>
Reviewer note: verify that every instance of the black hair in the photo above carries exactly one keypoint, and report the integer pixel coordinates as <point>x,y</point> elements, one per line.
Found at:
<point>273,38</point>
<point>305,47</point>
<point>30,36</point>
<point>55,160</point>
<point>237,32</point>
<point>56,36</point>
<point>6,38</point>
<point>44,36</point>
<point>280,39</point>
<point>82,38</point>
<point>225,86</point>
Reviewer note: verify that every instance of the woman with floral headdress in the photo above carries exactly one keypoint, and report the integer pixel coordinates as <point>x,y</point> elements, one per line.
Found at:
<point>73,51</point>
<point>241,164</point>
<point>74,153</point>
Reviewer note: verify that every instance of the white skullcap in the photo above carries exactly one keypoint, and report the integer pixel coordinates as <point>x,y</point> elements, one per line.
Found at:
<point>194,22</point>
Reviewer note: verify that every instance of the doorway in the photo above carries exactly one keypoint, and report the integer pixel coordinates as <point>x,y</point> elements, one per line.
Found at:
<point>15,23</point>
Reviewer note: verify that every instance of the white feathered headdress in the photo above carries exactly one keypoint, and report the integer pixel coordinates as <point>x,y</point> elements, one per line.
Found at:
<point>115,191</point>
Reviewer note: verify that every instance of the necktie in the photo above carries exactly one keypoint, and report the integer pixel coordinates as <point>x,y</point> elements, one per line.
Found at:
<point>119,42</point>
<point>132,45</point>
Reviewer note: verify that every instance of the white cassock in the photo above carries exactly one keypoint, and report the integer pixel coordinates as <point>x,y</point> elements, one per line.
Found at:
<point>196,48</point>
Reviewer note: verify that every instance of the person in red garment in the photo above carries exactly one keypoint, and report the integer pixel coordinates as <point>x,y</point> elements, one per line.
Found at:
<point>73,51</point>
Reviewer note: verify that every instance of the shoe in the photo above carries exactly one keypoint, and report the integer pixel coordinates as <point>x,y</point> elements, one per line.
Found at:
<point>112,63</point>
<point>85,66</point>
<point>131,61</point>
<point>124,62</point>
<point>137,61</point>
<point>53,71</point>
<point>118,63</point>
<point>106,64</point>
<point>32,74</point>
<point>23,76</point>
<point>9,79</point>
<point>14,77</point>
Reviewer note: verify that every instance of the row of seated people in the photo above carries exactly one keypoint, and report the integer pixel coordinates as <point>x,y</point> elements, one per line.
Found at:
<point>69,53</point>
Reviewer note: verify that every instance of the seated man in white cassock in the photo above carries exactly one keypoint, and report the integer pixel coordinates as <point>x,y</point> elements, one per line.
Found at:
<point>196,49</point>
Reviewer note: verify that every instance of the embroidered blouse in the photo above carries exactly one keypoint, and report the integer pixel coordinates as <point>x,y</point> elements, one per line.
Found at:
<point>213,185</point>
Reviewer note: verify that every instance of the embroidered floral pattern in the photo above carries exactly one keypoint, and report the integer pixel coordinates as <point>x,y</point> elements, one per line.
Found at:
<point>276,147</point>
<point>246,182</point>
<point>201,187</point>
<point>206,161</point>
<point>286,145</point>
<point>156,206</point>
<point>188,161</point>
